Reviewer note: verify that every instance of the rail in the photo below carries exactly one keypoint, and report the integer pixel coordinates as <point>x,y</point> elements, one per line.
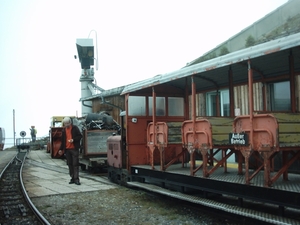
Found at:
<point>17,206</point>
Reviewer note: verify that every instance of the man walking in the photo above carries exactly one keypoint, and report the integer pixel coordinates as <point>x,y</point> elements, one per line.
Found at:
<point>70,144</point>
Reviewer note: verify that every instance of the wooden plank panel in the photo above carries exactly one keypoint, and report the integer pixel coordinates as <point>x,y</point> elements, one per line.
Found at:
<point>289,128</point>
<point>287,117</point>
<point>220,121</point>
<point>220,139</point>
<point>221,127</point>
<point>174,124</point>
<point>241,99</point>
<point>258,96</point>
<point>217,130</point>
<point>200,105</point>
<point>174,132</point>
<point>174,139</point>
<point>289,140</point>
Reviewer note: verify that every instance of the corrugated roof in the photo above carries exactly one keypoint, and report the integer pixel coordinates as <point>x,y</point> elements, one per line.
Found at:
<point>268,59</point>
<point>107,93</point>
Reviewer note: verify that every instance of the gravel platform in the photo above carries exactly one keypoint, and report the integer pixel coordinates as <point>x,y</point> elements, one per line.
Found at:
<point>123,205</point>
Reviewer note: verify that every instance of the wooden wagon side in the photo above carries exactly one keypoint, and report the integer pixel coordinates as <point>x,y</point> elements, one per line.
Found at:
<point>267,136</point>
<point>165,137</point>
<point>207,136</point>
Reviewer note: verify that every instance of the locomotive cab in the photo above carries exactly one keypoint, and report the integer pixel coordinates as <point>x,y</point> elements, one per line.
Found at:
<point>116,154</point>
<point>114,151</point>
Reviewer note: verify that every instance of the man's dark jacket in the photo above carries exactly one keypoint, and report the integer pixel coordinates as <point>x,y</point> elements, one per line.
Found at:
<point>76,136</point>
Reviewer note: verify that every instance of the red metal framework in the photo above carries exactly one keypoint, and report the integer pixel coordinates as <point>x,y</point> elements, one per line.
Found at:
<point>266,139</point>
<point>199,138</point>
<point>262,131</point>
<point>196,137</point>
<point>158,140</point>
<point>158,135</point>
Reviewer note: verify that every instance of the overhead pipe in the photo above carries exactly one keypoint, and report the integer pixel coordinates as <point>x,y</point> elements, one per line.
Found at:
<point>103,102</point>
<point>93,87</point>
<point>82,102</point>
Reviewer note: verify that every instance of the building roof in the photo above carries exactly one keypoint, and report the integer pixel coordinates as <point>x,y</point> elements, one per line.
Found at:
<point>280,22</point>
<point>106,93</point>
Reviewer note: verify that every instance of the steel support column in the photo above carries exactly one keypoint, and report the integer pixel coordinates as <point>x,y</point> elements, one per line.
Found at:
<point>192,148</point>
<point>231,92</point>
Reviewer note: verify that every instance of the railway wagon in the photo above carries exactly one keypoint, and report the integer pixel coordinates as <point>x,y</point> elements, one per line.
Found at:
<point>95,129</point>
<point>260,80</point>
<point>55,133</point>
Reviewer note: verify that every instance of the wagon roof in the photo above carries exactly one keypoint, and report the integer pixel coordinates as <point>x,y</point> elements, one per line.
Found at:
<point>268,60</point>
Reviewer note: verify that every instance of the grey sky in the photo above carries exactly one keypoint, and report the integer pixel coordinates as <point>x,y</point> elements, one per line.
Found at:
<point>136,40</point>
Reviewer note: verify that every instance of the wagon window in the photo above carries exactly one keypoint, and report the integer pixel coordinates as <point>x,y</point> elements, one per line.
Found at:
<point>211,103</point>
<point>225,104</point>
<point>136,106</point>
<point>160,106</point>
<point>280,97</point>
<point>175,106</point>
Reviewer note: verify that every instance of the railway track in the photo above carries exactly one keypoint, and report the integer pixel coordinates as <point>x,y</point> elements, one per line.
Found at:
<point>15,209</point>
<point>15,205</point>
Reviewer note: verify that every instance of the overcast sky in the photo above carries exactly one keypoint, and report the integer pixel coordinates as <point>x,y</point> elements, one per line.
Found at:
<point>138,39</point>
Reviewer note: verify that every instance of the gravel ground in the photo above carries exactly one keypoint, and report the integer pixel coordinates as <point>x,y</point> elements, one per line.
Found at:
<point>122,206</point>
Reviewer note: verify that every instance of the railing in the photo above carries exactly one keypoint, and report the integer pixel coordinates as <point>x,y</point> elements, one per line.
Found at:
<point>12,142</point>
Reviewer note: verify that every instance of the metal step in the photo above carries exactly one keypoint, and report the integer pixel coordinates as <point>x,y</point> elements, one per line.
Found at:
<point>265,217</point>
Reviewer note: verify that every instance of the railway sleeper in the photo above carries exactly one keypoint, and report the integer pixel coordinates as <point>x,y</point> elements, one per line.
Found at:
<point>22,209</point>
<point>6,211</point>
